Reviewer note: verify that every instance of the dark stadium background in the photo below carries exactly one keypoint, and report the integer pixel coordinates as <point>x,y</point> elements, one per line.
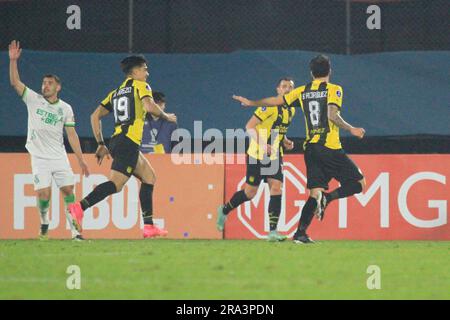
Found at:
<point>396,79</point>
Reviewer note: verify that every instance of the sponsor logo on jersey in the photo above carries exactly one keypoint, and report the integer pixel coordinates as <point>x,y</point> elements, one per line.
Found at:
<point>48,117</point>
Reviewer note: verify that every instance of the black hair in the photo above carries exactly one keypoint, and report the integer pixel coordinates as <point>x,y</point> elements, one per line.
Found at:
<point>53,76</point>
<point>131,62</point>
<point>285,79</point>
<point>159,97</point>
<point>320,66</point>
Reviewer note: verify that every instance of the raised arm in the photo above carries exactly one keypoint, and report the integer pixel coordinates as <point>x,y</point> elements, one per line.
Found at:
<point>96,124</point>
<point>266,102</point>
<point>74,142</point>
<point>151,107</point>
<point>14,78</point>
<point>335,116</point>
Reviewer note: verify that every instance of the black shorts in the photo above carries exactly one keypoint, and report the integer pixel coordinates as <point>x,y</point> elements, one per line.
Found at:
<point>257,171</point>
<point>323,164</point>
<point>125,154</point>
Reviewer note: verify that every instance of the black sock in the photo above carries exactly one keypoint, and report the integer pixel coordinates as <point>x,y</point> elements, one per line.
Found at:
<point>98,194</point>
<point>238,198</point>
<point>274,211</point>
<point>146,199</point>
<point>307,215</point>
<point>44,229</point>
<point>344,191</point>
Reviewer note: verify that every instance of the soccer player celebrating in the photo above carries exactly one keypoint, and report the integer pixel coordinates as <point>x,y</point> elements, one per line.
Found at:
<point>129,103</point>
<point>47,116</point>
<point>321,102</point>
<point>264,160</point>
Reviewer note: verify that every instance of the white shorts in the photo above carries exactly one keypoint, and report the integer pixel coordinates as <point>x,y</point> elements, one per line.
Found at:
<point>44,169</point>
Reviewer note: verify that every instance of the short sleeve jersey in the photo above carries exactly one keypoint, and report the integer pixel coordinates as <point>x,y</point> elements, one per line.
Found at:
<point>46,122</point>
<point>126,104</point>
<point>274,124</point>
<point>314,99</point>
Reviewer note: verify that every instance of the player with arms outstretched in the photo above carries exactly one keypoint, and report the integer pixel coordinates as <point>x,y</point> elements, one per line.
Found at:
<point>264,159</point>
<point>47,117</point>
<point>321,102</point>
<point>129,103</point>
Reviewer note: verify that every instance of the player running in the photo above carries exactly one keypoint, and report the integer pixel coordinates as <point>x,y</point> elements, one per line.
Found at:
<point>264,160</point>
<point>47,116</point>
<point>321,102</point>
<point>129,103</point>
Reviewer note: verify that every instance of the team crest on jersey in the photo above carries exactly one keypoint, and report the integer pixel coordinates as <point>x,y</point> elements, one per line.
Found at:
<point>263,108</point>
<point>129,169</point>
<point>338,93</point>
<point>60,112</point>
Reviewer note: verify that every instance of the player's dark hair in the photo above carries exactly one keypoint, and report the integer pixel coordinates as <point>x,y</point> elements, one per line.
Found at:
<point>159,97</point>
<point>52,76</point>
<point>285,79</point>
<point>131,62</point>
<point>320,66</point>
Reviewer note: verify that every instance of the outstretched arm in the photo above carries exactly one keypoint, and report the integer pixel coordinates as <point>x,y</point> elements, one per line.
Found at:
<point>335,117</point>
<point>266,102</point>
<point>151,107</point>
<point>14,78</point>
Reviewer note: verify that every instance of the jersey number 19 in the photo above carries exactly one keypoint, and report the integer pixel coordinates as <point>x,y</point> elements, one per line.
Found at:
<point>121,109</point>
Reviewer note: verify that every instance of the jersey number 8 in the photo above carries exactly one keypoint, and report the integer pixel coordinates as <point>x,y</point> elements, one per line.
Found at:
<point>121,109</point>
<point>314,112</point>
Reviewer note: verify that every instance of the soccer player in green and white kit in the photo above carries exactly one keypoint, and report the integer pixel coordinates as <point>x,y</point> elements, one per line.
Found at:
<point>47,116</point>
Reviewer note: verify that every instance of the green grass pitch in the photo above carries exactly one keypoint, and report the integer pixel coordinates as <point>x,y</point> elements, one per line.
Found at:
<point>228,269</point>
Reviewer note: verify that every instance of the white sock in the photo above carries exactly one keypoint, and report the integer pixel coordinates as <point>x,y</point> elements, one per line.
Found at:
<point>69,219</point>
<point>44,216</point>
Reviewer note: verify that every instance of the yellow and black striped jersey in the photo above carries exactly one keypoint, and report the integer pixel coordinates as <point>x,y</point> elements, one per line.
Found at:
<point>129,112</point>
<point>274,121</point>
<point>314,99</point>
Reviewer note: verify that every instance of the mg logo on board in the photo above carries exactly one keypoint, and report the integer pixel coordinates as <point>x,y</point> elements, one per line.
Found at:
<point>416,200</point>
<point>254,214</point>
